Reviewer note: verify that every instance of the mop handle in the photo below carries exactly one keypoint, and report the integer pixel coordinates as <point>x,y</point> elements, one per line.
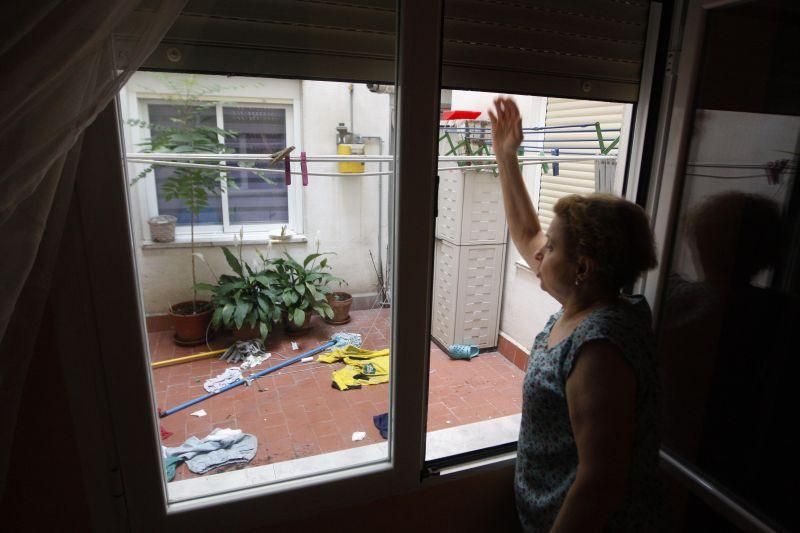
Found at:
<point>162,414</point>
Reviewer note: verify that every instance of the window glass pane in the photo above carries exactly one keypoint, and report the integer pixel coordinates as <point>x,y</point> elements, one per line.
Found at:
<point>284,263</point>
<point>729,316</point>
<point>487,303</point>
<point>305,416</point>
<point>166,119</point>
<point>257,197</point>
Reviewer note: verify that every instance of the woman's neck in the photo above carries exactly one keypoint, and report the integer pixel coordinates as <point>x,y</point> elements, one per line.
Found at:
<point>587,300</point>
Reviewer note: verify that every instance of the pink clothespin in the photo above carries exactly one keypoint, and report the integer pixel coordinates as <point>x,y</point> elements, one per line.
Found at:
<point>304,168</point>
<point>287,169</point>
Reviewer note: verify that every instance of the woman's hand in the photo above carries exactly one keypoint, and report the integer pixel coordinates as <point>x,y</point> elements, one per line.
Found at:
<point>506,127</point>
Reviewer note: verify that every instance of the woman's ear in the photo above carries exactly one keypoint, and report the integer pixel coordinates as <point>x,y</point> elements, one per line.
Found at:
<point>587,266</point>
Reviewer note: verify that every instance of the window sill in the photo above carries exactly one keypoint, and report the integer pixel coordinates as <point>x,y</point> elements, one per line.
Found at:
<point>221,239</point>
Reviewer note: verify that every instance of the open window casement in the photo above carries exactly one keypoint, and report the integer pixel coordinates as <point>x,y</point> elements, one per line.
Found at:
<point>108,247</point>
<point>583,52</point>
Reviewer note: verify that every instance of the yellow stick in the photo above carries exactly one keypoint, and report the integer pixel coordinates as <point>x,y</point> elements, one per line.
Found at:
<point>186,359</point>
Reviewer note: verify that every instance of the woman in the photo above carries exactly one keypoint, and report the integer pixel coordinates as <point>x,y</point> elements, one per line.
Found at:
<point>588,448</point>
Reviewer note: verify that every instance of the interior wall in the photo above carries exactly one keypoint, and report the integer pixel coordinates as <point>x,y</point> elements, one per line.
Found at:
<point>340,213</point>
<point>44,484</point>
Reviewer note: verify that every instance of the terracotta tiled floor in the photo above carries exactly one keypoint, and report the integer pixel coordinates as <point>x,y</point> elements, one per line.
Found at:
<point>294,412</point>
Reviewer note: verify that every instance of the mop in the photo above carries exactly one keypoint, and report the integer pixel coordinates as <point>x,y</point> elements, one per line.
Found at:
<point>338,340</point>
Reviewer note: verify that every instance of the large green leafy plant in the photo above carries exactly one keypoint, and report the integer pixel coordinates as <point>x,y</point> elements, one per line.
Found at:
<point>301,287</point>
<point>245,298</point>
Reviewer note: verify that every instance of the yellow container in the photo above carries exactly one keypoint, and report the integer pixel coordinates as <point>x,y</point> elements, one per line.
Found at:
<point>351,167</point>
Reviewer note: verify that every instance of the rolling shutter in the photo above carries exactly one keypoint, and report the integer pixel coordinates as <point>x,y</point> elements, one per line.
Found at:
<point>589,49</point>
<point>578,177</point>
<point>351,40</point>
<point>566,48</point>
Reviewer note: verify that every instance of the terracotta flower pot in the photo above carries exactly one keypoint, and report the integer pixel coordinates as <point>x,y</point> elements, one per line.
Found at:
<point>340,302</point>
<point>191,322</point>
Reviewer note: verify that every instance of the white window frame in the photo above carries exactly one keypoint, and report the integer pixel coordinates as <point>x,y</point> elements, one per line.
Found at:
<point>127,392</point>
<point>121,341</point>
<point>145,191</point>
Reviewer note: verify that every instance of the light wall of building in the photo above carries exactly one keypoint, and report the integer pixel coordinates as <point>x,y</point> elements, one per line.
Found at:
<point>340,213</point>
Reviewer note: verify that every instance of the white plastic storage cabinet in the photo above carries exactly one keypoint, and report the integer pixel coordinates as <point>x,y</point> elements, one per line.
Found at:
<point>469,258</point>
<point>467,284</point>
<point>470,208</point>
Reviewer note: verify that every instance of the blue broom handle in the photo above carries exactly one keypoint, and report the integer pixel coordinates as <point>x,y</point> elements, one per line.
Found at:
<point>240,381</point>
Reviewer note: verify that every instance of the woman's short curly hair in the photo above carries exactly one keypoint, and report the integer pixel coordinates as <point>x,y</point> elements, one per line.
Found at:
<point>612,231</point>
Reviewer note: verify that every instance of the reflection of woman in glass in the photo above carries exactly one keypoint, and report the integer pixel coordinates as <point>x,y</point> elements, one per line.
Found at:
<point>722,340</point>
<point>587,457</point>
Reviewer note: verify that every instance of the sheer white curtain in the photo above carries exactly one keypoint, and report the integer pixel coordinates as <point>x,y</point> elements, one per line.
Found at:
<point>57,72</point>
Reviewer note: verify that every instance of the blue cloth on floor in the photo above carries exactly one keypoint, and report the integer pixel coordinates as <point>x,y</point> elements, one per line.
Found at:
<point>382,423</point>
<point>221,447</point>
<point>171,463</point>
<point>344,338</point>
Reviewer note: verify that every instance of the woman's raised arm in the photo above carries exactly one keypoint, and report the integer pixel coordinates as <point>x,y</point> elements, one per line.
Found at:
<point>523,222</point>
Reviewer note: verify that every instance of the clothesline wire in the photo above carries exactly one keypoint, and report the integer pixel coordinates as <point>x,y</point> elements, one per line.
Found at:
<point>694,175</point>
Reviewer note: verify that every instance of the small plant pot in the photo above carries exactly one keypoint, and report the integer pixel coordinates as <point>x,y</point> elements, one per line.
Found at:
<point>162,228</point>
<point>293,330</point>
<point>191,322</point>
<point>340,302</point>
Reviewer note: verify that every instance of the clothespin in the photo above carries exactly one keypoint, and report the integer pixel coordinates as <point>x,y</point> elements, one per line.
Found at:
<point>280,155</point>
<point>304,168</point>
<point>555,152</point>
<point>287,169</point>
<point>774,170</point>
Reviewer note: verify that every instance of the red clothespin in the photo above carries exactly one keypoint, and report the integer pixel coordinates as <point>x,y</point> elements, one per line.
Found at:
<point>287,169</point>
<point>304,168</point>
<point>774,170</point>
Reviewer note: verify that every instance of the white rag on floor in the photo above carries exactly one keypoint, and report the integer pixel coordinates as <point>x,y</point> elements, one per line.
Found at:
<point>252,361</point>
<point>230,375</point>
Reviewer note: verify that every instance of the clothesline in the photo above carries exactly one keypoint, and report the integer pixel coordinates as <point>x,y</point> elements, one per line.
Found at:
<point>335,174</point>
<point>135,157</point>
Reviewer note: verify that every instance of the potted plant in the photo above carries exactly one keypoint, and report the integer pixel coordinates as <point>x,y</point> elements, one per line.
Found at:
<point>244,302</point>
<point>302,289</point>
<point>192,185</point>
<point>340,303</point>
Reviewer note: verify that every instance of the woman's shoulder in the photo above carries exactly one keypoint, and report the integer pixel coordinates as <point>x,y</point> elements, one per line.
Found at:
<point>626,324</point>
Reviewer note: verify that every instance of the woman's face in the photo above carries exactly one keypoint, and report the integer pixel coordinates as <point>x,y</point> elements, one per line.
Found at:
<point>556,269</point>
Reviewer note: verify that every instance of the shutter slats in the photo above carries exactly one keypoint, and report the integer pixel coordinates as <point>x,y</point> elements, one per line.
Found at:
<point>533,39</point>
<point>577,177</point>
<point>353,40</point>
<point>563,48</point>
<point>567,189</point>
<point>590,20</point>
<point>598,112</point>
<point>566,48</point>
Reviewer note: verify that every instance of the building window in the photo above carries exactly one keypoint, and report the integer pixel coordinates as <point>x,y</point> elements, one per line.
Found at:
<point>258,200</point>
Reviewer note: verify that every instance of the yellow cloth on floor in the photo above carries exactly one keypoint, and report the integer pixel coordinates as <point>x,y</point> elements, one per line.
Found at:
<point>364,367</point>
<point>350,351</point>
